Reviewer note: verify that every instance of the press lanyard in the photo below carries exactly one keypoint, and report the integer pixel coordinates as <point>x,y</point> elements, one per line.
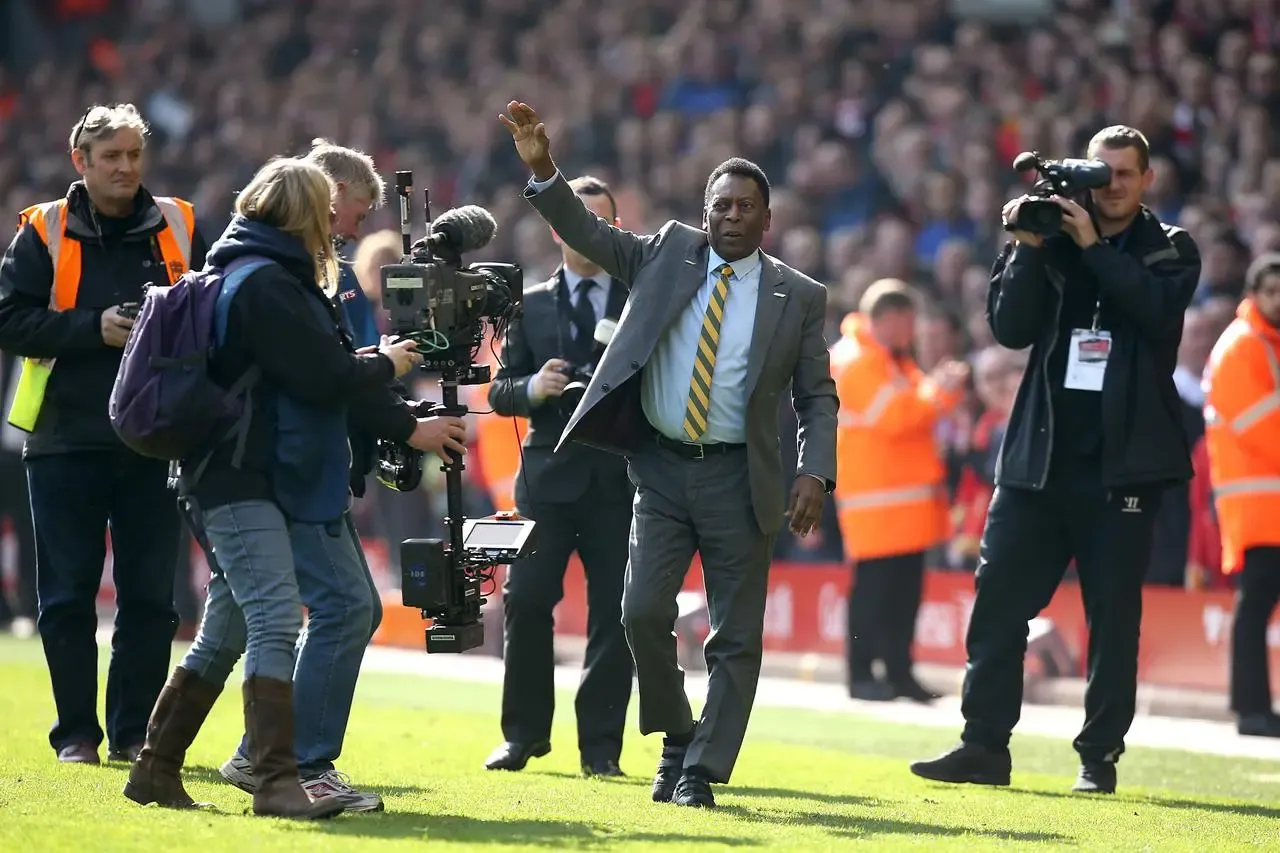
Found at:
<point>1118,244</point>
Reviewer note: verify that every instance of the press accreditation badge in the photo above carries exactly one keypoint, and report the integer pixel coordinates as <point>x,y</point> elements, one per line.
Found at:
<point>1087,359</point>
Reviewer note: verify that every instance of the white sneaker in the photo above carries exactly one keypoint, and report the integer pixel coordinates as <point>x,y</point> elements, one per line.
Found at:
<point>239,772</point>
<point>331,783</point>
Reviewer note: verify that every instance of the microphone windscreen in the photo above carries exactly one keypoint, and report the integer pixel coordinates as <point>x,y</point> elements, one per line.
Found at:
<point>604,331</point>
<point>1024,162</point>
<point>467,228</point>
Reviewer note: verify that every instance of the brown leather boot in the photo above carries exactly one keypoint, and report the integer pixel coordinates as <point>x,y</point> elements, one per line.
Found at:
<point>268,721</point>
<point>179,713</point>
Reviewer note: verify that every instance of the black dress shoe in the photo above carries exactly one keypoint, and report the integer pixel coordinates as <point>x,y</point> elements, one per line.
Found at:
<point>694,791</point>
<point>871,691</point>
<point>1096,777</point>
<point>913,690</point>
<point>670,768</point>
<point>79,753</point>
<point>968,762</point>
<point>602,767</point>
<point>127,754</point>
<point>1258,725</point>
<point>514,756</point>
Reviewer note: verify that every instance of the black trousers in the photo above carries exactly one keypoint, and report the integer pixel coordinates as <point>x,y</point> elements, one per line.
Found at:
<point>883,605</point>
<point>74,497</point>
<point>1030,538</point>
<point>597,526</point>
<point>16,504</point>
<point>1256,600</point>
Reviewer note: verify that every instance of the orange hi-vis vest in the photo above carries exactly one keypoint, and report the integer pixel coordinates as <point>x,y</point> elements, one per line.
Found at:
<point>1242,434</point>
<point>890,482</point>
<point>50,222</point>
<point>498,442</point>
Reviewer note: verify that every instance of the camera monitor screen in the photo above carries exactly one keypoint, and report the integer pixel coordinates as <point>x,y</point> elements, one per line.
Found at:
<point>495,534</point>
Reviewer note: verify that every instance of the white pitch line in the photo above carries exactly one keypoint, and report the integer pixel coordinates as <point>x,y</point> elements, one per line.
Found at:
<point>1180,733</point>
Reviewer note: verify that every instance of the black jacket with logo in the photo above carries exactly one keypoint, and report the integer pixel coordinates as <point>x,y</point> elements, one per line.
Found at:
<point>1145,287</point>
<point>119,258</point>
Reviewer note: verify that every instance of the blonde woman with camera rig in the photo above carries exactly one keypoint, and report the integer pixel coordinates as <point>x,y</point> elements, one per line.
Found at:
<point>341,597</point>
<point>291,478</point>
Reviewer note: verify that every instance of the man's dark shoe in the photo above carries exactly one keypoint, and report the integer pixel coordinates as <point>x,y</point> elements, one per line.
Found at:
<point>968,762</point>
<point>1096,777</point>
<point>871,691</point>
<point>79,753</point>
<point>913,690</point>
<point>514,756</point>
<point>1258,725</point>
<point>694,791</point>
<point>670,767</point>
<point>602,767</point>
<point>127,754</point>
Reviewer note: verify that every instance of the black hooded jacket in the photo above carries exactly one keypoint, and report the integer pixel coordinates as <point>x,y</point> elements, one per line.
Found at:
<point>1144,285</point>
<point>119,258</point>
<point>281,321</point>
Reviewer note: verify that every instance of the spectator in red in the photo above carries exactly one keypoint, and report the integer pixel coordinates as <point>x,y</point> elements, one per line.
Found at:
<point>1204,545</point>
<point>997,372</point>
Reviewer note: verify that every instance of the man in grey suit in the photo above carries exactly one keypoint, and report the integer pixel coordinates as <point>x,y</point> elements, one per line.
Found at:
<point>688,390</point>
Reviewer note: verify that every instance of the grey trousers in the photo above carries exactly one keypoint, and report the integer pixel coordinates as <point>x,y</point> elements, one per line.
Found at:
<point>683,506</point>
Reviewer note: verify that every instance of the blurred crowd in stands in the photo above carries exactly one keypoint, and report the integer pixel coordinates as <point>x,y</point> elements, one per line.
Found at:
<point>887,128</point>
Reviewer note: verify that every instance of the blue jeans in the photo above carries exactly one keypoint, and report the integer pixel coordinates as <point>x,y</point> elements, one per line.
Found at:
<point>253,607</point>
<point>344,610</point>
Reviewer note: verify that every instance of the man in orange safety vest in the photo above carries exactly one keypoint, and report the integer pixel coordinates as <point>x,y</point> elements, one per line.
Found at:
<point>1242,436</point>
<point>70,283</point>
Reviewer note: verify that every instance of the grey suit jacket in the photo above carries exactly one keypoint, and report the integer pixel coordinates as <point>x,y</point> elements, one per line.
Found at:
<point>664,271</point>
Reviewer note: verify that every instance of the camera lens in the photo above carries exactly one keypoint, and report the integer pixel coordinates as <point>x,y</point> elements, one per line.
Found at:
<point>571,396</point>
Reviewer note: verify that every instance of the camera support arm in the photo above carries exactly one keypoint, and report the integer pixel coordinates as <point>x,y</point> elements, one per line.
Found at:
<point>449,406</point>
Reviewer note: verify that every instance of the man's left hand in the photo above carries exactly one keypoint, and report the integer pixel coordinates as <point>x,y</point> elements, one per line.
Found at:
<point>440,435</point>
<point>807,496</point>
<point>1077,222</point>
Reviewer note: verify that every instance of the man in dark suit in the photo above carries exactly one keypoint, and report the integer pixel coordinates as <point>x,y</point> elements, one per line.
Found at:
<point>581,501</point>
<point>688,390</point>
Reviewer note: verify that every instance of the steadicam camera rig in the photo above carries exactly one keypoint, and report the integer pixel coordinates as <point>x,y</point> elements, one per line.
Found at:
<point>442,306</point>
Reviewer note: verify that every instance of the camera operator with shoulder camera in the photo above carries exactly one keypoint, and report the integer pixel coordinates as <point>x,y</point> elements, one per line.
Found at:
<point>1094,438</point>
<point>580,499</point>
<point>70,285</point>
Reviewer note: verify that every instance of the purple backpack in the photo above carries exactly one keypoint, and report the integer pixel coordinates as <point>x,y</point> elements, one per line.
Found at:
<point>165,404</point>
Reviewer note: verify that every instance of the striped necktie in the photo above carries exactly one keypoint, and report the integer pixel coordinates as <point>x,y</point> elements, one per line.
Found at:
<point>704,361</point>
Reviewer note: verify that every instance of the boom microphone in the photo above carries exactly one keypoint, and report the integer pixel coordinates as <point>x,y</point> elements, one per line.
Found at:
<point>462,230</point>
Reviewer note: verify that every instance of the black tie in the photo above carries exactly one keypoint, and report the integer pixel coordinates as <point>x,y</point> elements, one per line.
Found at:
<point>584,314</point>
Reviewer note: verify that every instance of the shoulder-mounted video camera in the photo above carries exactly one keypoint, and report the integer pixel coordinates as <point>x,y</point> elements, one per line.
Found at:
<point>1066,178</point>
